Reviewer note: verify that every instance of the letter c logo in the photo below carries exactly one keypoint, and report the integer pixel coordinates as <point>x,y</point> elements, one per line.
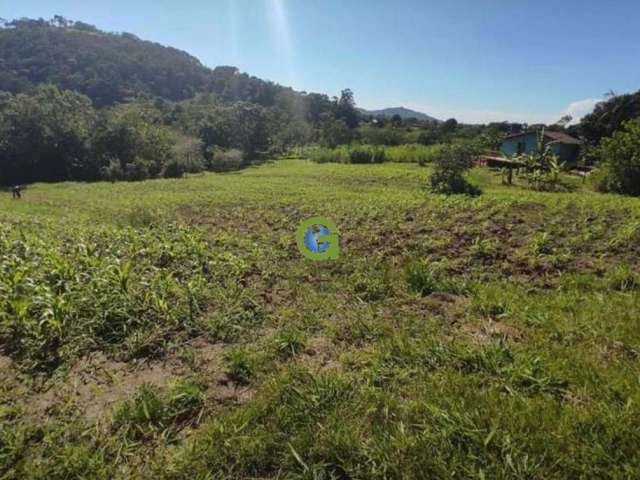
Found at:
<point>321,244</point>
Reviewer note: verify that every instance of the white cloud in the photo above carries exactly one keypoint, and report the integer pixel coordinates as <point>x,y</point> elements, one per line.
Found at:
<point>580,108</point>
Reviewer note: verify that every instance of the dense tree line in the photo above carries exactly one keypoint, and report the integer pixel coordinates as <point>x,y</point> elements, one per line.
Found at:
<point>51,134</point>
<point>608,117</point>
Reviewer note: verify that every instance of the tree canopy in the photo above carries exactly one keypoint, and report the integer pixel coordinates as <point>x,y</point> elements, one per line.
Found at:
<point>609,116</point>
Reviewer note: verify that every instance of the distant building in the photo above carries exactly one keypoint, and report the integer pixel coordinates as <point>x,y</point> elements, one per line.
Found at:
<point>566,147</point>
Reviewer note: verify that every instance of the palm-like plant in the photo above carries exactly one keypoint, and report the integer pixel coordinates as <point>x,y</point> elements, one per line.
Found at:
<point>543,166</point>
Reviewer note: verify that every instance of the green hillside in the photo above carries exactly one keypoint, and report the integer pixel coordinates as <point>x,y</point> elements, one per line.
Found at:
<point>111,68</point>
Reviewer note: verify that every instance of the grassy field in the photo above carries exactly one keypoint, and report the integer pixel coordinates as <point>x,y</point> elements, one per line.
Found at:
<point>171,329</point>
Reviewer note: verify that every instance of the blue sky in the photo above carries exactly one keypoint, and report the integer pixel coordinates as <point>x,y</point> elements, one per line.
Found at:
<point>476,60</point>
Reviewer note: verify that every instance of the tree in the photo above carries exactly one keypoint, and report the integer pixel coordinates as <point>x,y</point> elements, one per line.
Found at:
<point>449,169</point>
<point>609,116</point>
<point>449,126</point>
<point>345,109</point>
<point>60,22</point>
<point>564,121</point>
<point>620,160</point>
<point>132,136</point>
<point>335,132</point>
<point>396,120</point>
<point>242,126</point>
<point>45,136</point>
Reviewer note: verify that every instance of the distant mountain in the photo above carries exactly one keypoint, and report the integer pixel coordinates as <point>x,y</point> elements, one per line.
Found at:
<point>403,112</point>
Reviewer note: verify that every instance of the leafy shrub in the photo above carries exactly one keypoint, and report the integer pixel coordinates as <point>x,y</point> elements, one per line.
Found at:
<point>620,159</point>
<point>112,171</point>
<point>381,136</point>
<point>366,154</point>
<point>187,152</point>
<point>136,170</point>
<point>174,169</point>
<point>450,166</point>
<point>225,160</point>
<point>357,154</point>
<point>598,178</point>
<point>327,155</point>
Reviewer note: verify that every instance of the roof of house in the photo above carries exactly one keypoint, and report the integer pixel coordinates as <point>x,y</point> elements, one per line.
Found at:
<point>555,137</point>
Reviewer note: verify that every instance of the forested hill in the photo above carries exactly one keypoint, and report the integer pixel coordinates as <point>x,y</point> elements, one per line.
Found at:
<point>111,68</point>
<point>77,103</point>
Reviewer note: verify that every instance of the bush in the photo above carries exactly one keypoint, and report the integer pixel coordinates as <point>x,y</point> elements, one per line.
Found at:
<point>327,155</point>
<point>366,154</point>
<point>174,169</point>
<point>620,157</point>
<point>598,179</point>
<point>138,169</point>
<point>225,160</point>
<point>357,154</point>
<point>380,136</point>
<point>414,153</point>
<point>450,167</point>
<point>177,167</point>
<point>113,171</point>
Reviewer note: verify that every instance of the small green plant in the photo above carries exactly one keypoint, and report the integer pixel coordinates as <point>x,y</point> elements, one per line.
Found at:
<point>426,278</point>
<point>623,279</point>
<point>186,401</point>
<point>240,366</point>
<point>143,417</point>
<point>542,167</point>
<point>289,343</point>
<point>483,248</point>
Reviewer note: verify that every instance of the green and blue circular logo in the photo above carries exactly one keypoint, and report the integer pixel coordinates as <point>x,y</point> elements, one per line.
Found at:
<point>317,239</point>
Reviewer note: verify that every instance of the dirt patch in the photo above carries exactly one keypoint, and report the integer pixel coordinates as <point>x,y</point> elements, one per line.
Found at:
<point>320,352</point>
<point>619,350</point>
<point>490,331</point>
<point>5,363</point>
<point>208,367</point>
<point>95,384</point>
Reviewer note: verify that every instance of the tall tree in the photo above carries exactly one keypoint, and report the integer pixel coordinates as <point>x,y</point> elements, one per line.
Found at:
<point>345,109</point>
